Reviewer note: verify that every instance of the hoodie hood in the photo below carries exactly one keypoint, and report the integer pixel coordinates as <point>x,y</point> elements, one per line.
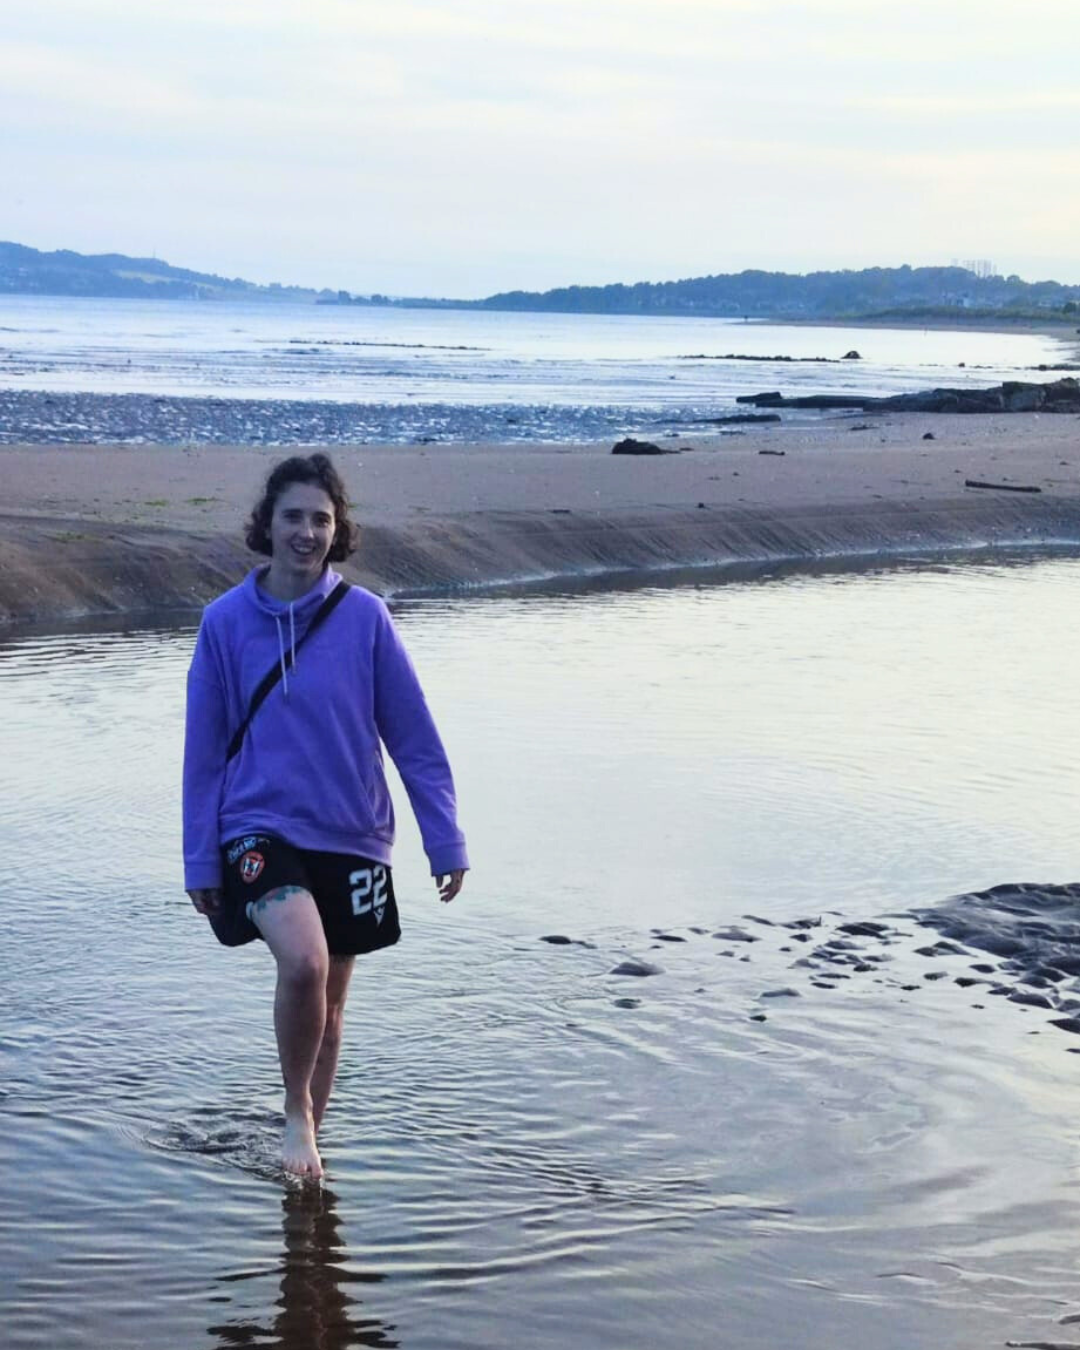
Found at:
<point>302,607</point>
<point>291,617</point>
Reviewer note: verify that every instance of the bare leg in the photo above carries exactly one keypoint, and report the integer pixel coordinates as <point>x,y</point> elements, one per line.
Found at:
<point>337,989</point>
<point>290,923</point>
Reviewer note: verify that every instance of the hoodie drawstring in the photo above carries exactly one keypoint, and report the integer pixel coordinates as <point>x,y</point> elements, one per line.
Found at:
<point>281,655</point>
<point>281,648</point>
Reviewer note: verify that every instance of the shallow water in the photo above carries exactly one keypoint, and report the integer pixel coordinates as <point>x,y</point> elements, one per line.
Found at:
<point>525,1148</point>
<point>447,374</point>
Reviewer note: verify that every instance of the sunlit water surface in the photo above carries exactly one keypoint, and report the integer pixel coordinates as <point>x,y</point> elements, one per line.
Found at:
<point>524,1148</point>
<point>384,355</point>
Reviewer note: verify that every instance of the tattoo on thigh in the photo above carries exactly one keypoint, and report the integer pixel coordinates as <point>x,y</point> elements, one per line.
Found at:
<point>272,897</point>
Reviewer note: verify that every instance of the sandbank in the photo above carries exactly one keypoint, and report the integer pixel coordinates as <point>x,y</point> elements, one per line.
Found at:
<point>138,529</point>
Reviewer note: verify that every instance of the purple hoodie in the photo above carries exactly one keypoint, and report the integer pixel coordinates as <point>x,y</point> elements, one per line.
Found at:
<point>310,768</point>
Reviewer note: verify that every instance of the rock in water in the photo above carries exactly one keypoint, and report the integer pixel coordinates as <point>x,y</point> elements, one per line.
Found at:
<point>734,934</point>
<point>639,968</point>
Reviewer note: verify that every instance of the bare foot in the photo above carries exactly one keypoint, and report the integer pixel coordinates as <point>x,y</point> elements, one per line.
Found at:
<point>299,1154</point>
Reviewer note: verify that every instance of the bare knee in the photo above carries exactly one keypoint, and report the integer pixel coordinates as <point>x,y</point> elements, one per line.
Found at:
<point>304,970</point>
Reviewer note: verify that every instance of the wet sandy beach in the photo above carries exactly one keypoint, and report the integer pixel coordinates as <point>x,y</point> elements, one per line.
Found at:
<point>142,529</point>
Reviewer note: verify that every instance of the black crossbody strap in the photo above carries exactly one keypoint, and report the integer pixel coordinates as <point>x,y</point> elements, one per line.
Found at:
<point>272,676</point>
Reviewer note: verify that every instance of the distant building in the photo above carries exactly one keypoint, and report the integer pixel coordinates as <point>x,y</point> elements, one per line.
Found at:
<point>982,267</point>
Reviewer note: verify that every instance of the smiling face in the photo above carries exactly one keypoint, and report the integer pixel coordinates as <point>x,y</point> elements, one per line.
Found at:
<point>301,532</point>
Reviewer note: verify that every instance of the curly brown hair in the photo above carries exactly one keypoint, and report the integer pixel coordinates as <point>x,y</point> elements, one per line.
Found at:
<point>318,470</point>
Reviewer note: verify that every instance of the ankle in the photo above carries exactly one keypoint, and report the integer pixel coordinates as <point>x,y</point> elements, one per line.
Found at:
<point>299,1106</point>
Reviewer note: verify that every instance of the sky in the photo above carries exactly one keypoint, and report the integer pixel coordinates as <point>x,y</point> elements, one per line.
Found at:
<point>463,147</point>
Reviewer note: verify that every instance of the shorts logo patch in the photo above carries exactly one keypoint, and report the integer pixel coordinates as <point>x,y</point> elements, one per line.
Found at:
<point>239,846</point>
<point>251,866</point>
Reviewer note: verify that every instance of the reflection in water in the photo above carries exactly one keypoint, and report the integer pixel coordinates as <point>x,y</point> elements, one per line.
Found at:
<point>315,1308</point>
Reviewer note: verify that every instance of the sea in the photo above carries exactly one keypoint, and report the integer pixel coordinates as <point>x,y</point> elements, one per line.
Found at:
<point>130,371</point>
<point>689,1063</point>
<point>784,1130</point>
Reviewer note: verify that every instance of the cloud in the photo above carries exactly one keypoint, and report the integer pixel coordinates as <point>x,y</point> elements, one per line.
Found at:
<point>469,137</point>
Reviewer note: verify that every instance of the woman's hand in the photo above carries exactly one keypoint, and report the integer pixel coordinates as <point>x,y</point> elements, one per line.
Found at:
<point>449,885</point>
<point>207,900</point>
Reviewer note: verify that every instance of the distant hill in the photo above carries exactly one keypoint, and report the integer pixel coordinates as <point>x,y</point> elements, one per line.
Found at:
<point>27,271</point>
<point>893,292</point>
<point>887,294</point>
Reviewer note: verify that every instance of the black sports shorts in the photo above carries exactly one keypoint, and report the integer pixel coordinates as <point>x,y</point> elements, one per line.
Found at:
<point>354,896</point>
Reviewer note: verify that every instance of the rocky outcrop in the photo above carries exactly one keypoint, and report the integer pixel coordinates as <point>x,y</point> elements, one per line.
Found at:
<point>775,399</point>
<point>1014,396</point>
<point>735,418</point>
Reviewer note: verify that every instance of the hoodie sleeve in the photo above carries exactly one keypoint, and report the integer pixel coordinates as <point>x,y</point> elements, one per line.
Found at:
<point>205,744</point>
<point>408,730</point>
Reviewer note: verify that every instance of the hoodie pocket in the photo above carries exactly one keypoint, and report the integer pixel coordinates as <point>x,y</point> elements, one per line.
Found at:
<point>377,801</point>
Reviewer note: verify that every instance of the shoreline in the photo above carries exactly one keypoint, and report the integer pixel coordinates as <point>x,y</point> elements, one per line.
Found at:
<point>143,530</point>
<point>1062,330</point>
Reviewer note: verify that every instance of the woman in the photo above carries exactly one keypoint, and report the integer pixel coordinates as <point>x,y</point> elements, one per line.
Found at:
<point>288,823</point>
